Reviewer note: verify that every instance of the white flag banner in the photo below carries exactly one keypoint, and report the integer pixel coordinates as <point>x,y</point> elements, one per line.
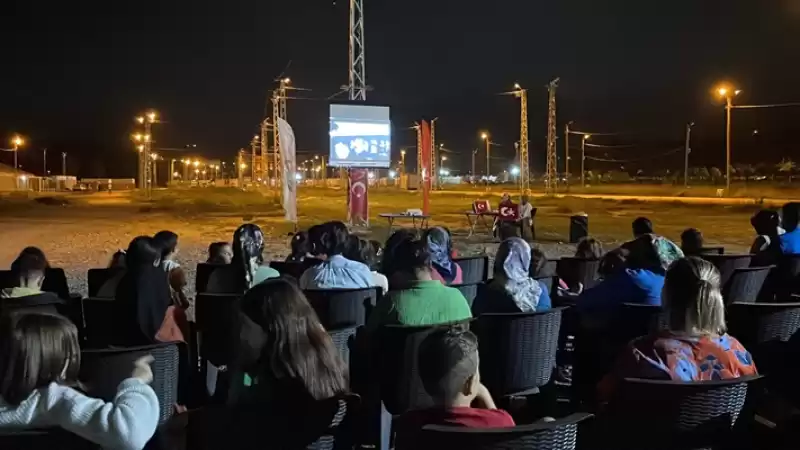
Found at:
<point>286,135</point>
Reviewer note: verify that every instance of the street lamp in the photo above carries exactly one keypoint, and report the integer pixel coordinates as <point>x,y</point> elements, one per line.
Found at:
<point>402,162</point>
<point>16,142</point>
<point>485,137</point>
<point>586,137</point>
<point>728,93</point>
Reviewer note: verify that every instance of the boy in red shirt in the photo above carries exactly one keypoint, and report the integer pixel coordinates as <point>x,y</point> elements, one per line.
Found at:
<point>448,367</point>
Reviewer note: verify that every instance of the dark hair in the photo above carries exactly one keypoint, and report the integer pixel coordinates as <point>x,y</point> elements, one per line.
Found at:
<point>142,251</point>
<point>36,348</point>
<point>315,239</point>
<point>377,247</point>
<point>446,360</point>
<point>248,244</point>
<point>281,339</point>
<point>333,240</point>
<point>692,241</point>
<point>538,261</point>
<point>117,260</point>
<point>642,225</point>
<point>766,222</point>
<point>612,261</point>
<point>215,252</point>
<point>35,252</point>
<point>389,261</point>
<point>589,248</point>
<point>791,216</point>
<point>412,255</point>
<point>642,254</point>
<point>29,265</point>
<point>166,241</point>
<point>300,244</point>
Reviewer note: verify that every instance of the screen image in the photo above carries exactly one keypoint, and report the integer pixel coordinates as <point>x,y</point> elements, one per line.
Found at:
<point>361,136</point>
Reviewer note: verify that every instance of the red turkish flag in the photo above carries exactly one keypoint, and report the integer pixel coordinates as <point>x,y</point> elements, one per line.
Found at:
<point>359,202</point>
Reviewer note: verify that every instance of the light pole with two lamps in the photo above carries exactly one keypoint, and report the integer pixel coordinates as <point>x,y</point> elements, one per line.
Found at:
<point>728,93</point>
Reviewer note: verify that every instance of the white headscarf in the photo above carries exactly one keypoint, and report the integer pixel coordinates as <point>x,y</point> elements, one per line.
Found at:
<point>511,267</point>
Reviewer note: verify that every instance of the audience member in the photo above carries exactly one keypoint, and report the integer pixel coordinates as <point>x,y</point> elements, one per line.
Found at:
<point>220,253</point>
<point>526,218</point>
<point>666,248</point>
<point>389,264</point>
<point>640,226</point>
<point>315,240</point>
<point>39,386</point>
<point>377,247</point>
<point>30,251</point>
<point>790,240</point>
<point>28,271</point>
<point>448,365</point>
<point>538,261</point>
<point>423,300</point>
<point>512,289</point>
<point>248,257</point>
<point>589,248</point>
<point>300,247</point>
<point>143,308</point>
<point>612,262</point>
<point>285,358</point>
<point>696,346</point>
<point>117,260</point>
<point>692,242</point>
<point>766,248</point>
<point>440,248</point>
<point>640,282</point>
<point>335,271</point>
<point>362,251</point>
<point>167,242</point>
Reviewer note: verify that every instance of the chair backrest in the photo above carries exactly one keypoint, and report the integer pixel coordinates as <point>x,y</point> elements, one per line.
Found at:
<point>44,439</point>
<point>215,318</point>
<point>727,264</point>
<point>474,269</point>
<point>561,434</point>
<point>550,269</point>
<point>712,250</point>
<point>99,321</point>
<point>103,282</point>
<point>343,308</point>
<point>758,323</point>
<point>578,270</point>
<point>680,414</point>
<point>745,284</point>
<point>55,281</point>
<point>395,359</point>
<point>47,302</point>
<point>636,320</point>
<point>218,279</point>
<point>323,425</point>
<point>102,371</point>
<point>293,269</point>
<point>468,290</point>
<point>518,351</point>
<point>786,278</point>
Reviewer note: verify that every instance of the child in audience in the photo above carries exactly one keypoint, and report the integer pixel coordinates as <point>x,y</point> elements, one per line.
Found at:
<point>448,366</point>
<point>696,346</point>
<point>589,248</point>
<point>336,271</point>
<point>31,251</point>
<point>117,260</point>
<point>692,242</point>
<point>220,253</point>
<point>301,247</point>
<point>167,241</point>
<point>38,374</point>
<point>423,300</point>
<point>440,246</point>
<point>362,251</point>
<point>28,269</point>
<point>248,255</point>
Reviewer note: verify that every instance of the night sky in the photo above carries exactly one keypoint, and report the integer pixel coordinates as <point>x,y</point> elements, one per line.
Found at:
<point>74,74</point>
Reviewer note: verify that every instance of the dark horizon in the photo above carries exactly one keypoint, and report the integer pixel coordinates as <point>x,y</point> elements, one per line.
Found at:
<point>76,75</point>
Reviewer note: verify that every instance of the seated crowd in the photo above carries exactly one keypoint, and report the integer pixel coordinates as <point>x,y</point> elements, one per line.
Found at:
<point>285,360</point>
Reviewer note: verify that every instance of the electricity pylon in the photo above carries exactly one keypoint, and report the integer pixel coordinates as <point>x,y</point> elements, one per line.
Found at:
<point>552,175</point>
<point>524,161</point>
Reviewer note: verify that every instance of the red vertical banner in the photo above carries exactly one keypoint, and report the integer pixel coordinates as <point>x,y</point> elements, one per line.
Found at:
<point>425,154</point>
<point>358,201</point>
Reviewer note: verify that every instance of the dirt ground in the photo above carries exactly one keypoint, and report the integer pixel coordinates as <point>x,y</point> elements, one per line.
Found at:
<point>82,231</point>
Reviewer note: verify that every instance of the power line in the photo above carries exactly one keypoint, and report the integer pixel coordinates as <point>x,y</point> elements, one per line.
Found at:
<point>610,146</point>
<point>774,105</point>
<point>670,152</point>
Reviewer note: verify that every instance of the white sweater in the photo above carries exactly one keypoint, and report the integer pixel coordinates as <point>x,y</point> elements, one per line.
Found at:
<point>126,423</point>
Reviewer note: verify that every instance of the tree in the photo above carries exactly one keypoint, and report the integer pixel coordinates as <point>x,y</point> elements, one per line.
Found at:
<point>786,166</point>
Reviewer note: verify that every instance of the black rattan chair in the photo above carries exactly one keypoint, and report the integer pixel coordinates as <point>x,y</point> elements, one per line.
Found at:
<point>215,320</point>
<point>103,282</point>
<point>727,264</point>
<point>340,308</point>
<point>637,320</point>
<point>549,269</point>
<point>44,439</point>
<point>578,270</point>
<point>292,269</point>
<point>561,434</point>
<point>55,281</point>
<point>677,415</point>
<point>474,269</point>
<point>518,351</point>
<point>712,251</point>
<point>469,291</point>
<point>99,321</point>
<point>218,279</point>
<point>103,370</point>
<point>745,284</point>
<point>765,330</point>
<point>550,283</point>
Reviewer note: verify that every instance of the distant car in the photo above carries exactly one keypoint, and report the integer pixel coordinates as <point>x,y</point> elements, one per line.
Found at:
<point>80,188</point>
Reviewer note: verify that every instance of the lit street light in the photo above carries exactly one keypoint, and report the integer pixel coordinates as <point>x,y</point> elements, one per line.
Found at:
<point>728,94</point>
<point>17,142</point>
<point>586,137</point>
<point>485,137</point>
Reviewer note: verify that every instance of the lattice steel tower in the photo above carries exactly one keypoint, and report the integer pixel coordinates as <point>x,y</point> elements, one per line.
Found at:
<point>358,74</point>
<point>552,162</point>
<point>278,110</point>
<point>524,161</point>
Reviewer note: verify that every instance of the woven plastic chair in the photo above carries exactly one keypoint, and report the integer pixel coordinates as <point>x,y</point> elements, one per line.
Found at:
<point>712,251</point>
<point>758,323</point>
<point>103,370</point>
<point>676,415</point>
<point>103,281</point>
<point>518,351</point>
<point>343,308</point>
<point>636,320</point>
<point>745,284</point>
<point>474,269</point>
<point>548,270</point>
<point>55,281</point>
<point>469,291</point>
<point>292,269</point>
<point>561,434</point>
<point>99,321</point>
<point>578,270</point>
<point>44,439</point>
<point>215,319</point>
<point>727,264</point>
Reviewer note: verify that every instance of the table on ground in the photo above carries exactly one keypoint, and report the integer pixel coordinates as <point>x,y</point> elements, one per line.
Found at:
<point>473,217</point>
<point>423,219</point>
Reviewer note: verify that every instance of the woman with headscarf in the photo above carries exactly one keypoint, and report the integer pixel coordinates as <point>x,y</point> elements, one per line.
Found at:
<point>143,298</point>
<point>439,245</point>
<point>512,290</point>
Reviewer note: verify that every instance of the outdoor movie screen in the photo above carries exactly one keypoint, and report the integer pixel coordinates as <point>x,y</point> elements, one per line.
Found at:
<point>361,136</point>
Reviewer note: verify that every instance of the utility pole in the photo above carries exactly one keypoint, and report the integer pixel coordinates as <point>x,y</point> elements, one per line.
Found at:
<point>64,163</point>
<point>474,153</point>
<point>434,170</point>
<point>524,161</point>
<point>583,159</point>
<point>44,170</point>
<point>253,159</point>
<point>278,111</point>
<point>488,156</point>
<point>264,172</point>
<point>240,166</point>
<point>358,73</point>
<point>552,162</point>
<point>566,154</point>
<point>728,108</point>
<point>686,154</point>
